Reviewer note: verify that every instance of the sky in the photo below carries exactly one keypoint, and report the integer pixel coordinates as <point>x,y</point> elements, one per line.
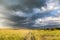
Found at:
<point>30,13</point>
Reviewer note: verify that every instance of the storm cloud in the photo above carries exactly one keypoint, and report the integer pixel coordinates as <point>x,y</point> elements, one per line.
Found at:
<point>30,13</point>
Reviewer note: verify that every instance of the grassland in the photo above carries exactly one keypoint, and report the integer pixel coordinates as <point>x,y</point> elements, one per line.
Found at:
<point>25,34</point>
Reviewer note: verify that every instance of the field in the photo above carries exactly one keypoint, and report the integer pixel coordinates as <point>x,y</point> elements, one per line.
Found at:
<point>25,34</point>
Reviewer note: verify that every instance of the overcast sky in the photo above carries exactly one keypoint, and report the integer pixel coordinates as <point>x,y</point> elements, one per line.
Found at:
<point>30,13</point>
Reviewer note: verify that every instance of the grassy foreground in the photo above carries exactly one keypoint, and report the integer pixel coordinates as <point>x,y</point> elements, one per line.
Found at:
<point>25,34</point>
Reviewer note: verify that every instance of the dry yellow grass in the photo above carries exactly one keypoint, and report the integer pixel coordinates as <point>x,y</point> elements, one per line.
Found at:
<point>25,34</point>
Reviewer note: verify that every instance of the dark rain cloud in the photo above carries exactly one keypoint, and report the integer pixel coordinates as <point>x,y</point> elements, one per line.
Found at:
<point>24,13</point>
